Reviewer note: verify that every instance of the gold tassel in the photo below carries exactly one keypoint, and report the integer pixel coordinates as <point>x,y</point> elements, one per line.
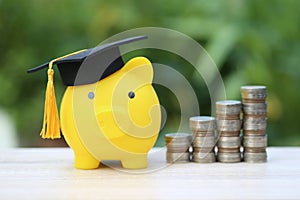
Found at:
<point>51,124</point>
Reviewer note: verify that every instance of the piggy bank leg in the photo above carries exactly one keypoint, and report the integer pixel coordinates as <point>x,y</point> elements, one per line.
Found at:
<point>138,161</point>
<point>84,160</point>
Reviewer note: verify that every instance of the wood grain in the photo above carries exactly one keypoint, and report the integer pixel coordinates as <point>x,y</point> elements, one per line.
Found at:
<point>48,173</point>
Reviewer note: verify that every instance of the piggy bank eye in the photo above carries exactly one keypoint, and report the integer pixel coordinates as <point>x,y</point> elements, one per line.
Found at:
<point>91,95</point>
<point>131,95</point>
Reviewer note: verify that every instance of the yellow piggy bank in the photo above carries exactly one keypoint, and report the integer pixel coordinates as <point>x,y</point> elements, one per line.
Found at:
<point>109,111</point>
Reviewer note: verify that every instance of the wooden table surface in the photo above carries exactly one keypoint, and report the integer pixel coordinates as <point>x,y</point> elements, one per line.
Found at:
<point>48,173</point>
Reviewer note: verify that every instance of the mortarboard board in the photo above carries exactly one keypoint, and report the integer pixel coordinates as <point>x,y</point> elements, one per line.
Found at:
<point>91,65</point>
<point>79,68</point>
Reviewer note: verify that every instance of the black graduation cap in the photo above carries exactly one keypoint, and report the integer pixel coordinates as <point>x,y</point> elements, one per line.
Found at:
<point>91,65</point>
<point>79,68</point>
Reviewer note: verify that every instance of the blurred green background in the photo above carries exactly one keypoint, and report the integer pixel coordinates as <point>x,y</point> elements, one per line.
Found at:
<point>252,42</point>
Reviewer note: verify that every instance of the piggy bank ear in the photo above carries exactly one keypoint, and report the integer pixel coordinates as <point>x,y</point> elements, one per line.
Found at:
<point>141,67</point>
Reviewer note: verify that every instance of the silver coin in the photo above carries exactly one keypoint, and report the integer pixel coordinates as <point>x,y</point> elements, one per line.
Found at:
<point>180,137</point>
<point>254,101</point>
<point>202,119</point>
<point>228,111</point>
<point>229,157</point>
<point>204,142</point>
<point>203,128</point>
<point>254,96</point>
<point>202,133</point>
<point>177,157</point>
<point>255,141</point>
<point>254,92</point>
<point>255,120</point>
<point>178,143</point>
<point>228,125</point>
<point>228,116</point>
<point>261,105</point>
<point>254,133</point>
<point>261,89</point>
<point>228,103</point>
<point>204,157</point>
<point>202,123</point>
<point>178,148</point>
<point>254,127</point>
<point>229,133</point>
<point>175,142</point>
<point>255,157</point>
<point>262,112</point>
<point>228,107</point>
<point>255,149</point>
<point>255,108</point>
<point>229,150</point>
<point>184,144</point>
<point>229,142</point>
<point>203,149</point>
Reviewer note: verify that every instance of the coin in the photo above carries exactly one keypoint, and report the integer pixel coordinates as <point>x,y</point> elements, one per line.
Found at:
<point>254,119</point>
<point>254,132</point>
<point>254,95</point>
<point>255,108</point>
<point>255,157</point>
<point>255,149</point>
<point>175,138</point>
<point>229,150</point>
<point>229,117</point>
<point>228,125</point>
<point>229,133</point>
<point>255,141</point>
<point>177,149</point>
<point>178,142</point>
<point>228,107</point>
<point>236,123</point>
<point>204,157</point>
<point>204,142</point>
<point>254,122</point>
<point>229,142</point>
<point>202,123</point>
<point>261,89</point>
<point>203,149</point>
<point>253,100</point>
<point>196,133</point>
<point>254,92</point>
<point>178,137</point>
<point>229,157</point>
<point>178,157</point>
<point>254,127</point>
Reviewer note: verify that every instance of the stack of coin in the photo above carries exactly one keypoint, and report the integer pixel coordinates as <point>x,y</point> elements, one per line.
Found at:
<point>203,130</point>
<point>254,123</point>
<point>228,126</point>
<point>178,145</point>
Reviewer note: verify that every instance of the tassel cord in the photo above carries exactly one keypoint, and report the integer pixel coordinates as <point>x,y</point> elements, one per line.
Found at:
<point>51,123</point>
